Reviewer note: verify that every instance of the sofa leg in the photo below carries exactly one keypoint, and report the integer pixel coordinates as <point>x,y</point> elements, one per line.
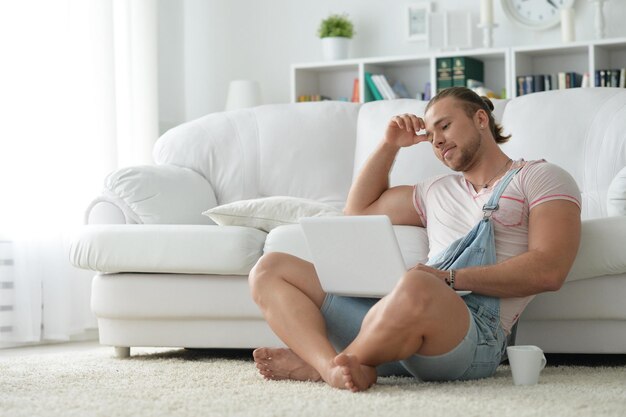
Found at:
<point>122,352</point>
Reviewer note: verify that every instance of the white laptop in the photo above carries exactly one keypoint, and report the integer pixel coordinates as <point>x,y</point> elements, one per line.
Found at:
<point>357,256</point>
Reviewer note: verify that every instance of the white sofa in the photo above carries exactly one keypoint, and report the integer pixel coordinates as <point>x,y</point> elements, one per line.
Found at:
<point>168,276</point>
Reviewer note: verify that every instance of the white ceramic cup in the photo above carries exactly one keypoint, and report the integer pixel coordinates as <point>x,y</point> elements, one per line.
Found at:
<point>526,364</point>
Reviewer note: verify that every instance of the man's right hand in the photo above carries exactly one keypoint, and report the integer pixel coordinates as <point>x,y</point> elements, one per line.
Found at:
<point>402,130</point>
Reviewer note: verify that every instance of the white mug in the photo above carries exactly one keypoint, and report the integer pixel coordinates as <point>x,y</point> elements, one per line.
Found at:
<point>526,364</point>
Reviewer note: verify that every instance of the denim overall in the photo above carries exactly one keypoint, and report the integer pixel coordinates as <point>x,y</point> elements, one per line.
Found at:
<point>344,315</point>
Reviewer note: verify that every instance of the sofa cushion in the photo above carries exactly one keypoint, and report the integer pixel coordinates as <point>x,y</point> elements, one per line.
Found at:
<point>413,243</point>
<point>300,150</point>
<point>306,150</point>
<point>581,130</point>
<point>185,249</point>
<point>131,296</point>
<point>616,196</point>
<point>601,250</point>
<point>268,213</point>
<point>596,298</point>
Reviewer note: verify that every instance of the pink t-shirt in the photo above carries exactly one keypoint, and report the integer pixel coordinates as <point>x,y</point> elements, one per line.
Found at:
<point>449,207</point>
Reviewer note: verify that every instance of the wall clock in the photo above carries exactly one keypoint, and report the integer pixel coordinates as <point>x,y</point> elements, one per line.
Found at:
<point>535,14</point>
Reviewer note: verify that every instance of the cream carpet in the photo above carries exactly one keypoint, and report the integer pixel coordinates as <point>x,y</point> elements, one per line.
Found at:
<point>158,382</point>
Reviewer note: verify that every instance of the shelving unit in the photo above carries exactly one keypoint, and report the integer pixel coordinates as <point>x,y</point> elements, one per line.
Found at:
<point>608,54</point>
<point>328,79</point>
<point>496,63</point>
<point>501,65</point>
<point>413,71</point>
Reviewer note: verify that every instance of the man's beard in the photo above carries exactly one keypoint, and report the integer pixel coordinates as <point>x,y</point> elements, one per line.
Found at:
<point>466,155</point>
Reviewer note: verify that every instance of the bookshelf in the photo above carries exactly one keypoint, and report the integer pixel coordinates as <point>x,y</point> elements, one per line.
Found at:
<point>413,71</point>
<point>502,66</point>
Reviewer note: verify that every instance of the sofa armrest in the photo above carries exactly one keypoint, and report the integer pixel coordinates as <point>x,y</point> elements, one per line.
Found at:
<point>163,194</point>
<point>601,249</point>
<point>109,210</point>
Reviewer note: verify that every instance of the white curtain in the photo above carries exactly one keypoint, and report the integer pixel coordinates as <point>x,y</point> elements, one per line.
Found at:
<point>78,99</point>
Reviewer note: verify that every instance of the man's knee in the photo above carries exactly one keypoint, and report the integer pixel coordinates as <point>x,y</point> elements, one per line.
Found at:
<point>411,299</point>
<point>265,274</point>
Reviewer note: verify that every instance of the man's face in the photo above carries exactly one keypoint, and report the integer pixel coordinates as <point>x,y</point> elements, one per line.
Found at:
<point>454,136</point>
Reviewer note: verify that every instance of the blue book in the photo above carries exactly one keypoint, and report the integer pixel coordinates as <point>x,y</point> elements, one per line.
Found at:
<point>401,90</point>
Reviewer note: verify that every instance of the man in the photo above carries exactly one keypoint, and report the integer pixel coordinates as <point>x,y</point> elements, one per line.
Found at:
<point>423,327</point>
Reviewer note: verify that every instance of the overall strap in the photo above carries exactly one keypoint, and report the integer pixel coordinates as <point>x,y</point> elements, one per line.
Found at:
<point>492,204</point>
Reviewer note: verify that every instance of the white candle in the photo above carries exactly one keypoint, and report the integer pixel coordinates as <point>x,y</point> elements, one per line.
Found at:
<point>486,12</point>
<point>567,25</point>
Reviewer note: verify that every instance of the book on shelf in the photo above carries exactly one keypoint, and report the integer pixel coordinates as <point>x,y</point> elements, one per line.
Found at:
<point>569,80</point>
<point>465,68</point>
<point>312,97</point>
<point>585,81</point>
<point>622,78</point>
<point>387,87</point>
<point>574,79</point>
<point>444,73</point>
<point>427,94</point>
<point>383,86</point>
<point>561,81</point>
<point>547,82</point>
<point>610,77</point>
<point>369,82</point>
<point>400,90</point>
<point>379,86</point>
<point>527,84</point>
<point>355,91</point>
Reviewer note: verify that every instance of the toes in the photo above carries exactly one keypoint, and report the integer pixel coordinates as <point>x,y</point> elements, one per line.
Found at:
<point>260,354</point>
<point>266,374</point>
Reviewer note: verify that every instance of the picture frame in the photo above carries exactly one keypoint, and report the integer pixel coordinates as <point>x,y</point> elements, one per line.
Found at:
<point>417,21</point>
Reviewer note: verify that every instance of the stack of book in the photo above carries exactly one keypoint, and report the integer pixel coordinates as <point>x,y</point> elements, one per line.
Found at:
<point>313,97</point>
<point>527,84</point>
<point>457,71</point>
<point>611,78</point>
<point>377,87</point>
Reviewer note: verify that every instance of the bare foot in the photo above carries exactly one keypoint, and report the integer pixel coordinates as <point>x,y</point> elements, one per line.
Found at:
<point>348,373</point>
<point>280,364</point>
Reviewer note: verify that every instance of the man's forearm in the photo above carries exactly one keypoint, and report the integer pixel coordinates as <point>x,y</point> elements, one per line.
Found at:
<point>530,273</point>
<point>373,180</point>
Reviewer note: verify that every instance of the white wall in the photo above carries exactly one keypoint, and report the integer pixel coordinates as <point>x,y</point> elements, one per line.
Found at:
<point>204,44</point>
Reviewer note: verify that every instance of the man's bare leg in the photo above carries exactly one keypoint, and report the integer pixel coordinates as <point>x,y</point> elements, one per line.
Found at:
<point>421,315</point>
<point>290,296</point>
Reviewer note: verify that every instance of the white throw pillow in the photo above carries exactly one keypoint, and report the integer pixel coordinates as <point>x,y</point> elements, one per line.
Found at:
<point>616,196</point>
<point>270,212</point>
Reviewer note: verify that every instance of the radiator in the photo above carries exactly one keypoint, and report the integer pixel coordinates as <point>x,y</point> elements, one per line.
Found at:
<point>7,288</point>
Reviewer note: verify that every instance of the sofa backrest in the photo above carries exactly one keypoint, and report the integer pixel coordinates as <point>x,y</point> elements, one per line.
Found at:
<point>314,150</point>
<point>301,150</point>
<point>583,130</point>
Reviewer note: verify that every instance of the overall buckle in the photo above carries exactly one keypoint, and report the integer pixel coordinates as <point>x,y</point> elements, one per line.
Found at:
<point>488,210</point>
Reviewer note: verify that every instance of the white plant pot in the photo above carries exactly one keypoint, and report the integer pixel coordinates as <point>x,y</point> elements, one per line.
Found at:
<point>335,48</point>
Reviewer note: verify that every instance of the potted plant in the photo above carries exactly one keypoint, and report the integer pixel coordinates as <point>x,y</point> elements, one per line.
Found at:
<point>336,31</point>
